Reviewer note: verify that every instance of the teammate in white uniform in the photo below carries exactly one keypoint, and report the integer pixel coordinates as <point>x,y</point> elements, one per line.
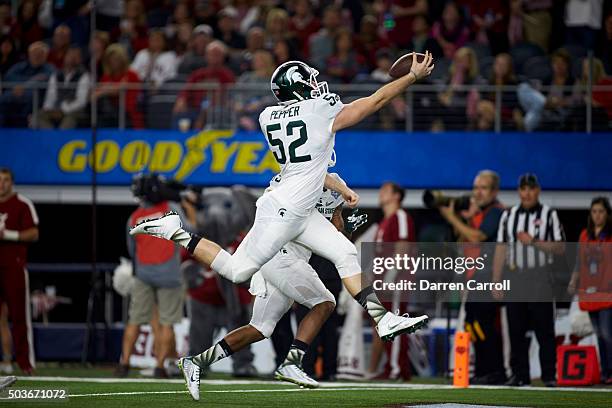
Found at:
<point>274,295</point>
<point>301,133</point>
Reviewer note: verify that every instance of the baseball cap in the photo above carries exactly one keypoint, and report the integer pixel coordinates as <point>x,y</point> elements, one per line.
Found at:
<point>529,179</point>
<point>228,11</point>
<point>203,29</point>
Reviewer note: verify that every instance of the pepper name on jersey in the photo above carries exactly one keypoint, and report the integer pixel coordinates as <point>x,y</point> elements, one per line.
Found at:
<point>300,137</point>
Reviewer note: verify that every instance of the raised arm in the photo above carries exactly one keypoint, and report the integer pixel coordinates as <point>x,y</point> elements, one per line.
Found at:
<point>356,111</point>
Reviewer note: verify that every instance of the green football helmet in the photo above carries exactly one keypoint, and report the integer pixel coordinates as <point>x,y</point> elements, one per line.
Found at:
<point>295,81</point>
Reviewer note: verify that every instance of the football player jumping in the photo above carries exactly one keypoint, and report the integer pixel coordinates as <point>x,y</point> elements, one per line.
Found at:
<point>301,133</point>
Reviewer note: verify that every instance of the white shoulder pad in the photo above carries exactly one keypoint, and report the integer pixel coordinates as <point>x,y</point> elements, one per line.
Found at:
<point>263,118</point>
<point>328,105</point>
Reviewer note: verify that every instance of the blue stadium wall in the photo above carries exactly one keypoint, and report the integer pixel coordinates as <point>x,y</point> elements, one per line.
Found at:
<point>563,161</point>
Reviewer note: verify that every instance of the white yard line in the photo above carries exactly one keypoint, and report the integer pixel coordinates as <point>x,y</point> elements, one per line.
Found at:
<point>241,391</point>
<point>324,385</point>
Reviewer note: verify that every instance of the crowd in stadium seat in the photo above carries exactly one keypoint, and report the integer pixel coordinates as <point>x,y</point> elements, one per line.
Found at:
<point>537,43</point>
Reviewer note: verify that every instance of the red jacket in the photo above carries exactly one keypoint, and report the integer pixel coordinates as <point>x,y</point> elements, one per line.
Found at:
<point>595,267</point>
<point>17,214</point>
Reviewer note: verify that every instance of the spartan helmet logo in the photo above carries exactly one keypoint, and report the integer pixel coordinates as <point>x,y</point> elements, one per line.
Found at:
<point>282,211</point>
<point>294,76</point>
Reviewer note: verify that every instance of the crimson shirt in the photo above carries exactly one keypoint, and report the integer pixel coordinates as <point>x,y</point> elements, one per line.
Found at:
<point>222,76</point>
<point>398,227</point>
<point>131,96</point>
<point>17,214</point>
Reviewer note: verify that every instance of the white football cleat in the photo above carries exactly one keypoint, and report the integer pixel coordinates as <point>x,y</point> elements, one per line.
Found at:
<point>164,227</point>
<point>392,325</point>
<point>191,373</point>
<point>294,374</point>
<point>6,382</point>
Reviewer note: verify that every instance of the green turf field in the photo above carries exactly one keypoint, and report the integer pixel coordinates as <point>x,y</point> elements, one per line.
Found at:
<point>136,392</point>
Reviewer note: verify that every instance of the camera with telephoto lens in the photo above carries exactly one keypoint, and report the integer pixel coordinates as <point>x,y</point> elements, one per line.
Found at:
<point>155,188</point>
<point>434,199</point>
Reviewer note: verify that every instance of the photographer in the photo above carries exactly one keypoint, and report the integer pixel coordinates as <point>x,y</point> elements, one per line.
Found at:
<point>156,270</point>
<point>482,319</point>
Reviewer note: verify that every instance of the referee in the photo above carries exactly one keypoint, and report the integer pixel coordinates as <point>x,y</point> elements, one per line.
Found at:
<point>530,234</point>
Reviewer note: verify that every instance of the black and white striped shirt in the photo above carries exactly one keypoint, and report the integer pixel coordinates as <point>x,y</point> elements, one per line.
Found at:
<point>541,222</point>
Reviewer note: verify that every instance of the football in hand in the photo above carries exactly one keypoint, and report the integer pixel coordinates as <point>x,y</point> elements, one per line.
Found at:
<point>403,64</point>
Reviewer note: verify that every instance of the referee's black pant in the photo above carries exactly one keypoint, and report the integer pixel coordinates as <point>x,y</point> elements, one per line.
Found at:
<point>540,318</point>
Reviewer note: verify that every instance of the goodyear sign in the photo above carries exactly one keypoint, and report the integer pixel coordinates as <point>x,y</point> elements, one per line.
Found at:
<point>208,157</point>
<point>366,159</point>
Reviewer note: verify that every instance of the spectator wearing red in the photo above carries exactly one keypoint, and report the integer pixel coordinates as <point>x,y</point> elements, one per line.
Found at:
<point>59,46</point>
<point>26,29</point>
<point>118,78</point>
<point>18,228</point>
<point>594,270</point>
<point>304,24</point>
<point>602,98</point>
<point>132,31</point>
<point>451,31</point>
<point>193,104</point>
<point>396,226</point>
<point>396,16</point>
<point>345,63</point>
<point>369,41</point>
<point>489,23</point>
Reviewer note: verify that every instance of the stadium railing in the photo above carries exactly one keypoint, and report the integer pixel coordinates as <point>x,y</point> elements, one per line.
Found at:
<point>434,107</point>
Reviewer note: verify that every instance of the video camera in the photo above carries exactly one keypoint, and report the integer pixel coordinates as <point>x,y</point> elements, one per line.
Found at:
<point>434,199</point>
<point>155,188</point>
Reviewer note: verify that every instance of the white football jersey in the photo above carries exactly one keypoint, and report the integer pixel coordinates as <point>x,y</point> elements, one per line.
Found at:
<point>327,203</point>
<point>300,137</point>
<point>330,199</point>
